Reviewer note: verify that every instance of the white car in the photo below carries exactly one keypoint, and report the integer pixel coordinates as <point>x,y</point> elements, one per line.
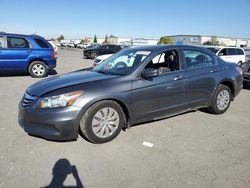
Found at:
<point>71,45</point>
<point>82,46</point>
<point>229,54</point>
<point>53,44</point>
<point>98,60</point>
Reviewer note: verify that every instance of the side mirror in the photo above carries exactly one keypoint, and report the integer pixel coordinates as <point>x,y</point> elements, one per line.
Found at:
<point>220,54</point>
<point>150,72</point>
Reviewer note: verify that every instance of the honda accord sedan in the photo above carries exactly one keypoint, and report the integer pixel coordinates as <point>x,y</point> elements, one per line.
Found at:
<point>138,84</point>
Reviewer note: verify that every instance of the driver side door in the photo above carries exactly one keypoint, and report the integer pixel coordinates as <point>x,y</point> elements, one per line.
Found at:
<point>158,96</point>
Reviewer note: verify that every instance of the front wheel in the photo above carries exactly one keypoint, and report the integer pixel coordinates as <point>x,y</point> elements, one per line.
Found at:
<point>221,100</point>
<point>102,122</point>
<point>38,69</point>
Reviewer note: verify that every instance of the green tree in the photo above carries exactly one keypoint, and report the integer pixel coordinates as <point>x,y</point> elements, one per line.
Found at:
<point>82,41</point>
<point>106,40</point>
<point>61,37</point>
<point>95,39</point>
<point>213,42</point>
<point>165,40</point>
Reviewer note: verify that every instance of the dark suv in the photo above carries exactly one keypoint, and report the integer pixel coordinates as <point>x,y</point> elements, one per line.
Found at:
<point>101,50</point>
<point>26,53</point>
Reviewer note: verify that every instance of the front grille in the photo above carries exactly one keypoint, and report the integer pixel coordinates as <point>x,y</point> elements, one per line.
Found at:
<point>27,100</point>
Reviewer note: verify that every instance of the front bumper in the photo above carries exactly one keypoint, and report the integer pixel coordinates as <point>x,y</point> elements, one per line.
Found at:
<point>53,124</point>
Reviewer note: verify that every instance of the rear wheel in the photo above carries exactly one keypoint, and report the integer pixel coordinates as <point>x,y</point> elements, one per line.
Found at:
<point>38,69</point>
<point>102,122</point>
<point>221,100</point>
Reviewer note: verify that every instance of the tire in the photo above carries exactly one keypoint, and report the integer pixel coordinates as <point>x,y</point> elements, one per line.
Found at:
<point>221,100</point>
<point>93,55</point>
<point>38,69</point>
<point>96,128</point>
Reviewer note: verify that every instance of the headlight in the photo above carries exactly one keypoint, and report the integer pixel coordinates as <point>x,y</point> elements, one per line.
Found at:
<point>63,100</point>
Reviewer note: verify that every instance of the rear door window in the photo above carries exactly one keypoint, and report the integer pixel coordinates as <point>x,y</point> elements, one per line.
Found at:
<point>17,42</point>
<point>41,43</point>
<point>197,59</point>
<point>1,42</point>
<point>239,52</point>
<point>231,51</point>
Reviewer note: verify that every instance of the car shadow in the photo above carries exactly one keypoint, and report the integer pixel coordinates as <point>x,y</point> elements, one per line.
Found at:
<point>61,170</point>
<point>14,74</point>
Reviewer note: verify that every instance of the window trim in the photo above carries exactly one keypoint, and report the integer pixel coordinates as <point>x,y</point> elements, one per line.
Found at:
<point>3,41</point>
<point>160,52</point>
<point>201,51</point>
<point>19,38</point>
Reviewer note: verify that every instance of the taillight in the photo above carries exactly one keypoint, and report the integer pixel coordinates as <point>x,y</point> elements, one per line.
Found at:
<point>53,54</point>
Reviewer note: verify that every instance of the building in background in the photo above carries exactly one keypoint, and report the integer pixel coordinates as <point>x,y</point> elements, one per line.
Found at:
<point>200,39</point>
<point>132,41</point>
<point>119,40</point>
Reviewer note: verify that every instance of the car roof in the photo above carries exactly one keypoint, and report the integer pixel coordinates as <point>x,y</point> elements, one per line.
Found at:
<point>20,35</point>
<point>162,47</point>
<point>220,47</point>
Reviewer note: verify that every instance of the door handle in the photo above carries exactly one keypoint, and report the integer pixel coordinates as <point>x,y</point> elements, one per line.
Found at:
<point>178,77</point>
<point>29,51</point>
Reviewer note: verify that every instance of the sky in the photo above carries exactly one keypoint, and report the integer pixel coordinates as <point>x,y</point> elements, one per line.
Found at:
<point>127,18</point>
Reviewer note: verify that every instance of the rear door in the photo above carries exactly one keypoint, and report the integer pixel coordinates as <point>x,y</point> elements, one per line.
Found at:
<point>200,70</point>
<point>1,53</point>
<point>17,53</point>
<point>240,55</point>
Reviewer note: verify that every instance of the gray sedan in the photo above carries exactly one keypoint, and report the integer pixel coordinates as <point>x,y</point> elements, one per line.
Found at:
<point>136,85</point>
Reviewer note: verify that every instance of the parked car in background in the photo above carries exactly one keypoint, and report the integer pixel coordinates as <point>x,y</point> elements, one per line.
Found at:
<point>101,50</point>
<point>54,45</point>
<point>229,54</point>
<point>247,51</point>
<point>64,44</point>
<point>81,46</point>
<point>135,85</point>
<point>246,71</point>
<point>99,59</point>
<point>26,53</point>
<point>71,45</point>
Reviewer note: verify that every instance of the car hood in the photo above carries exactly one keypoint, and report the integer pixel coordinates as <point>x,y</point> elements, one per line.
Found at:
<point>57,82</point>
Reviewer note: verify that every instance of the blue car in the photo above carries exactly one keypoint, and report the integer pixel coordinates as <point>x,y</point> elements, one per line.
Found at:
<point>26,53</point>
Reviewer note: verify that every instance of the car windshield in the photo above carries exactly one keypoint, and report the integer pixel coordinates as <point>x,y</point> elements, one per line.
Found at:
<point>122,63</point>
<point>214,50</point>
